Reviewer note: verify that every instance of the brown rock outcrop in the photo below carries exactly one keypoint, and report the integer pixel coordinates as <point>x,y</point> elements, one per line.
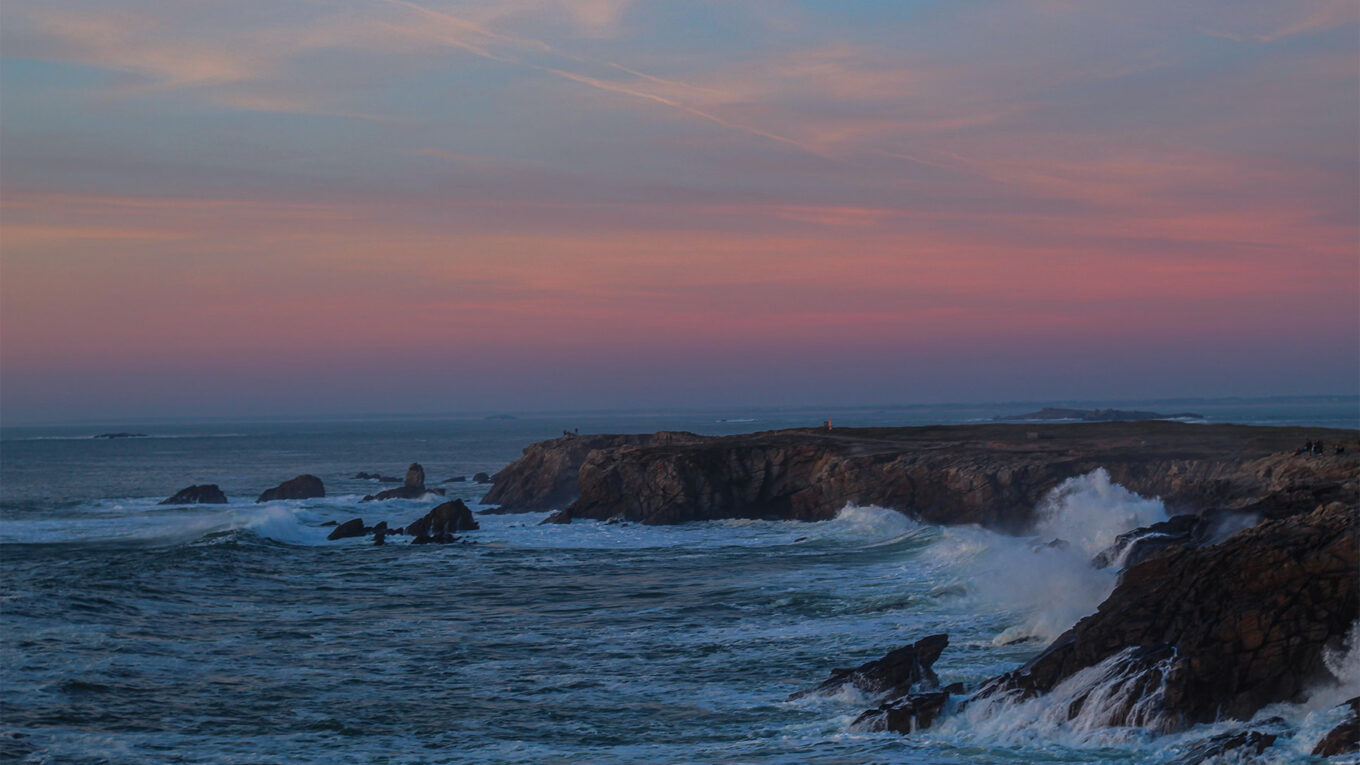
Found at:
<point>1246,621</point>
<point>545,477</point>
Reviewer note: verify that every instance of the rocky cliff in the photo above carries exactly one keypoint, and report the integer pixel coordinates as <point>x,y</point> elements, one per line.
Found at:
<point>1216,631</point>
<point>991,474</point>
<point>546,476</point>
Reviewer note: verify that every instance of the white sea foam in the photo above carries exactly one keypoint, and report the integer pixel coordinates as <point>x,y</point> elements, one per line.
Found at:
<point>1051,585</point>
<point>1120,688</point>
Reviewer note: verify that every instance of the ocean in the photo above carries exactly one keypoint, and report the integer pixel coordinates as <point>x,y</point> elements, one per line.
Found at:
<point>140,633</point>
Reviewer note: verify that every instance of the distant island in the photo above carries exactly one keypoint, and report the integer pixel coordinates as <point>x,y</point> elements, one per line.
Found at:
<point>121,435</point>
<point>1099,415</point>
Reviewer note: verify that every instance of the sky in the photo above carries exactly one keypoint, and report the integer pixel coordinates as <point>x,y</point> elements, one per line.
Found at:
<point>291,207</point>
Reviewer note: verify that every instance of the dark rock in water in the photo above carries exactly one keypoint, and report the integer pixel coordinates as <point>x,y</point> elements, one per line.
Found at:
<point>440,524</point>
<point>377,477</point>
<point>121,434</point>
<point>1247,620</point>
<point>303,487</point>
<point>206,494</point>
<point>1344,738</point>
<point>481,478</point>
<point>561,516</point>
<point>330,523</point>
<point>402,492</point>
<point>415,476</point>
<point>351,528</point>
<point>1235,747</point>
<point>456,479</point>
<point>888,677</point>
<point>904,715</point>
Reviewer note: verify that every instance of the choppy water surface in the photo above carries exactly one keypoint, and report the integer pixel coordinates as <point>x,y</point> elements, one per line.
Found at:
<point>138,633</point>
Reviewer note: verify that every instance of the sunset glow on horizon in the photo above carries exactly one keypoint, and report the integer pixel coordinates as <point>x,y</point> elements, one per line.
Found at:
<point>268,208</point>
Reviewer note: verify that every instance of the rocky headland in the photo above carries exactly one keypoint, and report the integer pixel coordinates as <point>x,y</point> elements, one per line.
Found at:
<point>1228,606</point>
<point>993,474</point>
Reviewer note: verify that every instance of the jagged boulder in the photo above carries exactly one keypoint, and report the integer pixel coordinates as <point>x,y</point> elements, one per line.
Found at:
<point>303,487</point>
<point>891,676</point>
<point>351,528</point>
<point>415,476</point>
<point>440,524</point>
<point>204,494</point>
<point>1245,621</point>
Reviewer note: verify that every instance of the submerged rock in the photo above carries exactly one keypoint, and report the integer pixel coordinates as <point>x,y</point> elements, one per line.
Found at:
<point>380,478</point>
<point>205,494</point>
<point>402,492</point>
<point>440,524</point>
<point>303,487</point>
<point>891,676</point>
<point>559,517</point>
<point>351,528</point>
<point>1223,629</point>
<point>1229,746</point>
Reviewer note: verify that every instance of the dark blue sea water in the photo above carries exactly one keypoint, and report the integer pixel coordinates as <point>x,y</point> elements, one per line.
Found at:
<point>139,633</point>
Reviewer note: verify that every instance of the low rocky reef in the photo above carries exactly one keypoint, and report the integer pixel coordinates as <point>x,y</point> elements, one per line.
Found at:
<point>412,488</point>
<point>439,526</point>
<point>993,474</point>
<point>198,494</point>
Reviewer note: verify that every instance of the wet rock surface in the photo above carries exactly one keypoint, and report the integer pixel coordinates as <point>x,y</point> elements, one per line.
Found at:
<point>1231,747</point>
<point>1344,738</point>
<point>891,676</point>
<point>302,487</point>
<point>201,494</point>
<point>907,714</point>
<point>1246,621</point>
